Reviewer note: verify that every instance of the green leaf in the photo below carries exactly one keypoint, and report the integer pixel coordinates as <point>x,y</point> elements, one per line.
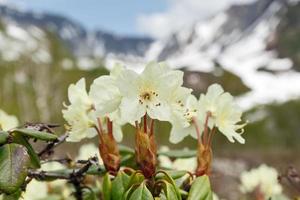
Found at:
<point>135,179</point>
<point>141,193</point>
<point>14,161</point>
<point>125,150</point>
<point>3,137</point>
<point>200,189</point>
<point>167,178</point>
<point>178,153</point>
<point>14,196</point>
<point>170,191</point>
<point>34,158</point>
<point>36,134</point>
<point>106,187</point>
<point>119,184</point>
<point>89,195</point>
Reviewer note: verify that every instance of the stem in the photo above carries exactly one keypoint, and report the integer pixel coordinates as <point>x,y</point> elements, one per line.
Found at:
<point>110,128</point>
<point>152,127</point>
<point>145,123</point>
<point>205,134</point>
<point>197,130</point>
<point>52,145</point>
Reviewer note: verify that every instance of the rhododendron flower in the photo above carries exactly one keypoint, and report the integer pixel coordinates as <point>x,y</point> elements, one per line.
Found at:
<point>105,93</point>
<point>35,190</point>
<point>79,114</point>
<point>148,92</point>
<point>182,118</point>
<point>222,112</point>
<point>7,122</point>
<point>262,180</point>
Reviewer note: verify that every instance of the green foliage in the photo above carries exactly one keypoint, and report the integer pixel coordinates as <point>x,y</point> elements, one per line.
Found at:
<point>119,185</point>
<point>36,134</point>
<point>141,193</point>
<point>14,196</point>
<point>200,189</point>
<point>14,161</point>
<point>106,187</point>
<point>178,153</point>
<point>3,137</point>
<point>22,140</point>
<point>278,121</point>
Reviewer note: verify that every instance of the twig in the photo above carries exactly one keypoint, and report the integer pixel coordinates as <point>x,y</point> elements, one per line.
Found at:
<point>75,177</point>
<point>48,149</point>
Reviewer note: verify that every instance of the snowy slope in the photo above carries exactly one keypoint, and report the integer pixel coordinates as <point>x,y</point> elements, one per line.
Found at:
<point>237,40</point>
<point>81,42</point>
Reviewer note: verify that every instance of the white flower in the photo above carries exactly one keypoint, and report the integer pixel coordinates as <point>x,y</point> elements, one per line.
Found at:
<point>187,164</point>
<point>36,190</point>
<point>7,122</point>
<point>79,114</point>
<point>107,99</point>
<point>148,92</point>
<point>263,178</point>
<point>225,114</point>
<point>105,93</point>
<point>88,150</point>
<point>183,112</point>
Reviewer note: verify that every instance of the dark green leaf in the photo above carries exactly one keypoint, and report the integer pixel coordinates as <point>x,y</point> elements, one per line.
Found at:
<point>200,189</point>
<point>14,161</point>
<point>178,153</point>
<point>170,191</point>
<point>167,178</point>
<point>36,134</point>
<point>106,187</point>
<point>135,179</point>
<point>3,137</point>
<point>14,196</point>
<point>119,184</point>
<point>141,193</point>
<point>34,158</point>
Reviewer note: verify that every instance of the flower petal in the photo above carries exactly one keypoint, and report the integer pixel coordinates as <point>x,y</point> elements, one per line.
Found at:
<point>105,95</point>
<point>131,110</point>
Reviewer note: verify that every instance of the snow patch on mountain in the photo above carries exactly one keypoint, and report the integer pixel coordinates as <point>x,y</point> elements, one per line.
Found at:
<point>240,50</point>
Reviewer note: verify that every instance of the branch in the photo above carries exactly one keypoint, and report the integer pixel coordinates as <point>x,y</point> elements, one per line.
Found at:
<point>49,148</point>
<point>75,177</point>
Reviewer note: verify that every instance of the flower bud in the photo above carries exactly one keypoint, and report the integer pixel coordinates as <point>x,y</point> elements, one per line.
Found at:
<point>146,152</point>
<point>204,159</point>
<point>109,153</point>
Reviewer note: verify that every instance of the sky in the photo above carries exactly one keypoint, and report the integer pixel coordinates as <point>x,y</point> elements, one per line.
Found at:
<point>155,18</point>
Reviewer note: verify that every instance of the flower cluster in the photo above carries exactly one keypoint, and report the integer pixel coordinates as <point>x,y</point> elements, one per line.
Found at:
<point>125,96</point>
<point>158,94</point>
<point>263,181</point>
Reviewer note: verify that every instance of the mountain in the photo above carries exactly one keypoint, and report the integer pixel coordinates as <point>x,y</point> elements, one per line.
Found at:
<point>251,49</point>
<point>80,41</point>
<point>258,42</point>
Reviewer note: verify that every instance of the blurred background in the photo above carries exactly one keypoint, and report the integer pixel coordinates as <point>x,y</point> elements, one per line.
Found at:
<point>252,48</point>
